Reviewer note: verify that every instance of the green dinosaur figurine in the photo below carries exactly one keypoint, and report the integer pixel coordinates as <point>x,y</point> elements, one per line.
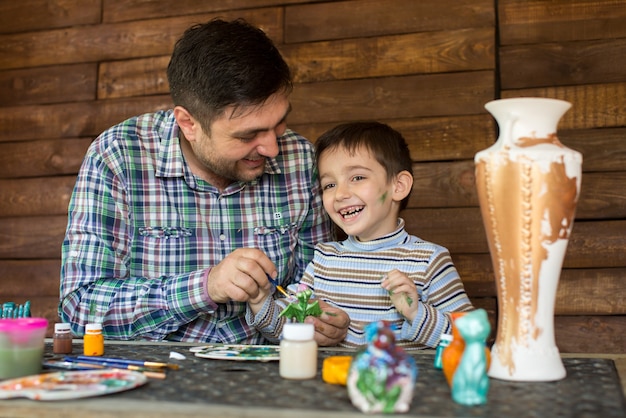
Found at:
<point>301,308</point>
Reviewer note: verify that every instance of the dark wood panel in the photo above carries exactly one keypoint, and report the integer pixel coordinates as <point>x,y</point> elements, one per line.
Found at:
<point>128,78</point>
<point>23,279</point>
<point>429,52</point>
<point>561,64</point>
<point>591,292</point>
<point>342,19</point>
<point>592,244</point>
<point>142,38</point>
<point>593,105</point>
<point>46,157</point>
<point>36,196</point>
<point>33,238</point>
<point>116,11</point>
<point>536,21</point>
<point>70,120</point>
<point>590,334</point>
<point>449,184</point>
<point>430,139</point>
<point>31,15</point>
<point>603,149</point>
<point>392,97</point>
<point>64,83</point>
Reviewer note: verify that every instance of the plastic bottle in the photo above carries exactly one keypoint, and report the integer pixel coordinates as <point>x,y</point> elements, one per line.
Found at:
<point>298,352</point>
<point>62,339</point>
<point>444,341</point>
<point>93,340</point>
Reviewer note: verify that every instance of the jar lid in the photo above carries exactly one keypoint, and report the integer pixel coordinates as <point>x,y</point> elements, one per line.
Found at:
<point>93,327</point>
<point>298,331</point>
<point>62,327</point>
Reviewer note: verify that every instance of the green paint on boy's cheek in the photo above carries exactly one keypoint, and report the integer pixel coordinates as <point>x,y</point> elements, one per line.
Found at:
<point>383,198</point>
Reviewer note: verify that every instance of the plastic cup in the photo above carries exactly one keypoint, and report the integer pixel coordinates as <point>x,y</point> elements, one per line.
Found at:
<point>21,346</point>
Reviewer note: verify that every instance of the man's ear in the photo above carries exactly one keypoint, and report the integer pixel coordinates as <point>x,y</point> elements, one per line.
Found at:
<point>403,184</point>
<point>188,125</point>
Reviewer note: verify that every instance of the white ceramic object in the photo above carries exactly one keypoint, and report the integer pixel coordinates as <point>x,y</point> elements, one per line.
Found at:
<point>528,185</point>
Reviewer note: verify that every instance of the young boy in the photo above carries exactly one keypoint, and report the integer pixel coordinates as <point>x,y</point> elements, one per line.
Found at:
<point>379,272</point>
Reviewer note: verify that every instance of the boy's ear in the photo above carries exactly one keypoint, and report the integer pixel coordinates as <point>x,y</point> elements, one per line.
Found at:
<point>187,123</point>
<point>403,185</point>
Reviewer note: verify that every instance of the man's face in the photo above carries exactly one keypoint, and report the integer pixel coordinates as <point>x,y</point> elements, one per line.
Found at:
<point>240,141</point>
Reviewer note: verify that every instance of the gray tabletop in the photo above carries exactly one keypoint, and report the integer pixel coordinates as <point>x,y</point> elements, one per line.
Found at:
<point>250,388</point>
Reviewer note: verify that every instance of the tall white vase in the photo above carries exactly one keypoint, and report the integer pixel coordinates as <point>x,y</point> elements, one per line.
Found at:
<point>528,185</point>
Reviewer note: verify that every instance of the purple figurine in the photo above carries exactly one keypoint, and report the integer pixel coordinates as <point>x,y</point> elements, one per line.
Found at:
<point>382,375</point>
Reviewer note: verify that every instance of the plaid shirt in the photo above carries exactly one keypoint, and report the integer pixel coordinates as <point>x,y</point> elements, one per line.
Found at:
<point>143,232</point>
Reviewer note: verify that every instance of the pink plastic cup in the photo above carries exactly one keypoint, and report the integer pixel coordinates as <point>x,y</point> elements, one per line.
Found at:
<point>21,346</point>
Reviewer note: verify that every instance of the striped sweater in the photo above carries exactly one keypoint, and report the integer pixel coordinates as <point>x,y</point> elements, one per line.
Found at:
<point>348,275</point>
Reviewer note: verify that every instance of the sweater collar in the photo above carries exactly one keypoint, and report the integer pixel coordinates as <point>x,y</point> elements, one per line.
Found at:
<point>394,239</point>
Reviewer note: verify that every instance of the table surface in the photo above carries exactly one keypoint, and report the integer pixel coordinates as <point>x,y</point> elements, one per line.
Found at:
<point>594,387</point>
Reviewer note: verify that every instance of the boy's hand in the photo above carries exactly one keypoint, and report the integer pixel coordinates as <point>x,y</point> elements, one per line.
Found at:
<point>403,293</point>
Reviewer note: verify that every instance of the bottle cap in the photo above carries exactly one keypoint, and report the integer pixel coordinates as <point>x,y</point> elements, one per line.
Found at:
<point>298,331</point>
<point>62,327</point>
<point>446,337</point>
<point>93,327</point>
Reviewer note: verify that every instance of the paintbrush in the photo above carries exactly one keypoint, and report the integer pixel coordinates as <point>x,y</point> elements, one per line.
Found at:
<point>119,362</point>
<point>72,365</point>
<point>277,286</point>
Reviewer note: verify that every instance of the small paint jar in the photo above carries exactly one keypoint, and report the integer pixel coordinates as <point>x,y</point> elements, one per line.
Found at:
<point>298,352</point>
<point>93,341</point>
<point>62,339</point>
<point>444,341</point>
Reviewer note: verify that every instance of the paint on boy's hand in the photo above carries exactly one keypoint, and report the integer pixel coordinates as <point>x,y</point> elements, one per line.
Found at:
<point>409,299</point>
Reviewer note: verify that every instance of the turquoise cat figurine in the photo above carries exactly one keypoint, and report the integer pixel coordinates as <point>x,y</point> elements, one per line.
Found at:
<point>382,375</point>
<point>470,382</point>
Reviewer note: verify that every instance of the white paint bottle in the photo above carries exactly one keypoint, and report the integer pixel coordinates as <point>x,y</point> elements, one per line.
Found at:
<point>298,352</point>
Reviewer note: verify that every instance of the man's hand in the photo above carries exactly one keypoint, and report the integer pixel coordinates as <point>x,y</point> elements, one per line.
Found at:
<point>331,327</point>
<point>241,276</point>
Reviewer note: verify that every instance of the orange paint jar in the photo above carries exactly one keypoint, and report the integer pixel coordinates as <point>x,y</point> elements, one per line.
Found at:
<point>93,341</point>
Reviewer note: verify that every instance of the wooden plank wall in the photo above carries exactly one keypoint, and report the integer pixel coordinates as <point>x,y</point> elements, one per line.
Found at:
<point>71,68</point>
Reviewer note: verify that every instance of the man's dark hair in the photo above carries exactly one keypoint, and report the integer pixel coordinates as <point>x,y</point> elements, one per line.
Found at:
<point>220,64</point>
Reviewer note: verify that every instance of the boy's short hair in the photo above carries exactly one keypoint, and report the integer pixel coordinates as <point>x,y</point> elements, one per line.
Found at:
<point>384,143</point>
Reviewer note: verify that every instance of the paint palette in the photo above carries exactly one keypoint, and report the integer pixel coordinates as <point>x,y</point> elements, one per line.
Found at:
<point>71,385</point>
<point>237,352</point>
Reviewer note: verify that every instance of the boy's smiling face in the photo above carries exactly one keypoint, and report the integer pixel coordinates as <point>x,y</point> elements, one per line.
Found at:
<point>357,193</point>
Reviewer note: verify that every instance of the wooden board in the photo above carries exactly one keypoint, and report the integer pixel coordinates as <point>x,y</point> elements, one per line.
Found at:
<point>562,64</point>
<point>46,157</point>
<point>142,38</point>
<point>392,97</point>
<point>55,84</point>
<point>32,15</point>
<point>539,21</point>
<point>341,19</point>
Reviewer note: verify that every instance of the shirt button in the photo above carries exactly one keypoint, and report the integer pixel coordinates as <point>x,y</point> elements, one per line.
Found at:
<point>222,237</point>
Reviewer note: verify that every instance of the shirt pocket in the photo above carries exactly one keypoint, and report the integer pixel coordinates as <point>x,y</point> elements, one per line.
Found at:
<point>278,242</point>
